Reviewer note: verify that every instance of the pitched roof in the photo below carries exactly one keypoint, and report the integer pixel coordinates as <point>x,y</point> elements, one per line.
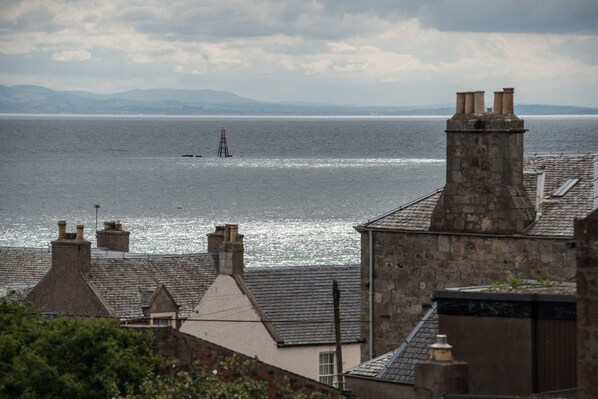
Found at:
<point>556,213</point>
<point>298,301</point>
<point>21,269</point>
<point>121,278</point>
<point>398,366</point>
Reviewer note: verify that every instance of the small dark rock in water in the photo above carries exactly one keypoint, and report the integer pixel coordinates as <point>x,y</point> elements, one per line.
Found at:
<point>187,156</point>
<point>198,156</point>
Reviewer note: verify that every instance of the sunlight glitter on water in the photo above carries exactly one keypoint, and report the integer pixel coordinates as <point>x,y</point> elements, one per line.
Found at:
<point>303,163</point>
<point>267,243</point>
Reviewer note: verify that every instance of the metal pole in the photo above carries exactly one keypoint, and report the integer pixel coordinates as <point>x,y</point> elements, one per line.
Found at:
<point>97,206</point>
<point>336,295</point>
<point>371,294</point>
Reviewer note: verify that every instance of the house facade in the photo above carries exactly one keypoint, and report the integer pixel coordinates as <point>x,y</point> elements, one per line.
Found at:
<point>499,212</point>
<point>282,315</point>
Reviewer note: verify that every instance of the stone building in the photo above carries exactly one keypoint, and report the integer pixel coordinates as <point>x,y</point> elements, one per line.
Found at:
<point>283,315</point>
<point>499,212</point>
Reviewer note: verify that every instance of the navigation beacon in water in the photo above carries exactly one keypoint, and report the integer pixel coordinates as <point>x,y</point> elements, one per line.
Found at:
<point>223,148</point>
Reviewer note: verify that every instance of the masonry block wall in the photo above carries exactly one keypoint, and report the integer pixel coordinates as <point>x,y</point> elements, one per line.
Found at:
<point>409,267</point>
<point>586,236</point>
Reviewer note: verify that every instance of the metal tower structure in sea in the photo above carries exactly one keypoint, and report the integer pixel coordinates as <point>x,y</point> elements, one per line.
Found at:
<point>223,148</point>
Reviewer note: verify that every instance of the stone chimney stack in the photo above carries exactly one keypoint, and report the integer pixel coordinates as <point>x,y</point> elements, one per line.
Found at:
<point>230,257</point>
<point>71,251</point>
<point>113,237</point>
<point>215,239</point>
<point>484,190</point>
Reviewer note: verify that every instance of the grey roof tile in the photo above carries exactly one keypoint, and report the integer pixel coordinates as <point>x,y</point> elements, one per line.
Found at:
<point>557,213</point>
<point>123,282</point>
<point>399,365</point>
<point>21,269</point>
<point>121,278</point>
<point>298,301</point>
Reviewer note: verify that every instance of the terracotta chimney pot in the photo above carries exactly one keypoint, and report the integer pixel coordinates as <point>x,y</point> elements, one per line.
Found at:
<point>460,103</point>
<point>498,95</point>
<point>469,102</point>
<point>478,102</point>
<point>80,232</point>
<point>61,229</point>
<point>507,101</point>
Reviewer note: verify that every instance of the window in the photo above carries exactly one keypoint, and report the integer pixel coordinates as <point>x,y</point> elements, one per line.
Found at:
<point>327,368</point>
<point>161,322</point>
<point>163,319</point>
<point>566,186</point>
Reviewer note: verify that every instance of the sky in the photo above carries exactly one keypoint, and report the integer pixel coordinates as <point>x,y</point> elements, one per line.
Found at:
<point>357,52</point>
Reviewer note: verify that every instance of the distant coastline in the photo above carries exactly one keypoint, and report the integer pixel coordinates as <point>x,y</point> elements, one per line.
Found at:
<point>37,100</point>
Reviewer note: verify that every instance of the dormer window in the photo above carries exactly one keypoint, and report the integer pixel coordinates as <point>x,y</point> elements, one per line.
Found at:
<point>163,319</point>
<point>566,186</point>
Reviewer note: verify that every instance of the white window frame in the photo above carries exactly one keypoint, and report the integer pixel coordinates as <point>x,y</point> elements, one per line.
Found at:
<point>327,368</point>
<point>157,319</point>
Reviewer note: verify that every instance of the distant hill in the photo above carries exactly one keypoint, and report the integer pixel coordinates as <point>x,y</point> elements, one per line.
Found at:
<point>40,100</point>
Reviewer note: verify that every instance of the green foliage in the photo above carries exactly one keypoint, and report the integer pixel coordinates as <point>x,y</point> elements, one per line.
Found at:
<point>69,358</point>
<point>95,358</point>
<point>515,282</point>
<point>231,379</point>
<point>546,281</point>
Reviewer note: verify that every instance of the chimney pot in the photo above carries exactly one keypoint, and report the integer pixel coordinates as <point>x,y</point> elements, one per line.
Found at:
<point>227,233</point>
<point>507,101</point>
<point>497,109</point>
<point>469,102</point>
<point>79,232</point>
<point>61,229</point>
<point>230,254</point>
<point>460,103</point>
<point>234,232</point>
<point>478,102</point>
<point>441,350</point>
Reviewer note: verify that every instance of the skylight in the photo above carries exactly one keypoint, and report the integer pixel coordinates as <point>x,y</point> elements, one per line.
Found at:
<point>566,186</point>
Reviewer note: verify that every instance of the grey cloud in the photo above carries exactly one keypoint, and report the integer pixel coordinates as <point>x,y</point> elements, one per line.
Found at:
<point>531,16</point>
<point>330,20</point>
<point>39,19</point>
<point>585,50</point>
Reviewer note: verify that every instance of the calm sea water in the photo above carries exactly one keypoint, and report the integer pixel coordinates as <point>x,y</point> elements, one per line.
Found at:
<point>296,186</point>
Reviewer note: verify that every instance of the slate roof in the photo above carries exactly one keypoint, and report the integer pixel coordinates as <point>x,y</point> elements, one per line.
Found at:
<point>122,278</point>
<point>21,269</point>
<point>398,366</point>
<point>557,213</point>
<point>298,301</point>
<point>124,282</point>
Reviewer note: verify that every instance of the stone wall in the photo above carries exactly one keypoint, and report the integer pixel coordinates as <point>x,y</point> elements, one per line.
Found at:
<point>586,236</point>
<point>409,267</point>
<point>188,349</point>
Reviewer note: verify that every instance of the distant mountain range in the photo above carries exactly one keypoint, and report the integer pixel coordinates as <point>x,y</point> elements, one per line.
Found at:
<point>40,100</point>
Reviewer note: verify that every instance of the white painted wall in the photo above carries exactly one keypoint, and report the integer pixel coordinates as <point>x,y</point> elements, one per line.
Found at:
<point>225,301</point>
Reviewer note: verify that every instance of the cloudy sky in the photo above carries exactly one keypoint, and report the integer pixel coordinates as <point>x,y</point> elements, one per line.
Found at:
<point>377,52</point>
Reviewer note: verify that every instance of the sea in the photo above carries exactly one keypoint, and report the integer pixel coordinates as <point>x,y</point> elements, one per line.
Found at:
<point>296,186</point>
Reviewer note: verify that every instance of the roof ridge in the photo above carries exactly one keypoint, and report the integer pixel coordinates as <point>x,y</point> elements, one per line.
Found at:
<point>429,314</point>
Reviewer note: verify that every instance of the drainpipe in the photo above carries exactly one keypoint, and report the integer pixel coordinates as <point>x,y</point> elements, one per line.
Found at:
<point>371,280</point>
